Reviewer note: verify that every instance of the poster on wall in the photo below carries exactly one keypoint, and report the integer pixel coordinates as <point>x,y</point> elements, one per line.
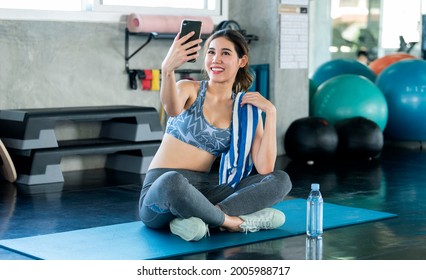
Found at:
<point>294,34</point>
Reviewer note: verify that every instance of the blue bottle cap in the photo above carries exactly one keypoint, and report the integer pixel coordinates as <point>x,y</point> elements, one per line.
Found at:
<point>315,187</point>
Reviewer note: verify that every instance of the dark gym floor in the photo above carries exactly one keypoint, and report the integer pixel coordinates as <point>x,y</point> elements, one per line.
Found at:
<point>395,182</point>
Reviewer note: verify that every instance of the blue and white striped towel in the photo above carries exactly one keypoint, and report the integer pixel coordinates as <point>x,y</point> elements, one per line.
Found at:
<point>237,163</point>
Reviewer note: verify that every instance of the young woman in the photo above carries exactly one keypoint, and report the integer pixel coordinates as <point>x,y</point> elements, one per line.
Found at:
<point>177,191</point>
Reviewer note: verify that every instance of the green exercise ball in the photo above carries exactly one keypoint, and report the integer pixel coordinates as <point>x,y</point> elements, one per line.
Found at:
<point>348,96</point>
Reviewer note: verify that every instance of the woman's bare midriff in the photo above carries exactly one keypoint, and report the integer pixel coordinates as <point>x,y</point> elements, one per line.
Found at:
<point>174,153</point>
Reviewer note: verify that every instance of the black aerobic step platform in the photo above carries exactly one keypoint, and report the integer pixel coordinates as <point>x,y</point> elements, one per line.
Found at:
<point>129,137</point>
<point>34,128</point>
<point>43,166</point>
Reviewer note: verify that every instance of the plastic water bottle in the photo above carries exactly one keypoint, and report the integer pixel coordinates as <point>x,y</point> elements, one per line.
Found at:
<point>314,212</point>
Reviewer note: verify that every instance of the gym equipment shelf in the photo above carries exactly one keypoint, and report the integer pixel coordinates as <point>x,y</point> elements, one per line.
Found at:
<point>133,73</point>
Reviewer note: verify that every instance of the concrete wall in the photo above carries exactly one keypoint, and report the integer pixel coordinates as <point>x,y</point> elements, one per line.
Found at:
<point>54,64</point>
<point>320,29</point>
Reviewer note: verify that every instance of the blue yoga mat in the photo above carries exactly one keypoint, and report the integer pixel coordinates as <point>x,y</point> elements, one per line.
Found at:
<point>134,241</point>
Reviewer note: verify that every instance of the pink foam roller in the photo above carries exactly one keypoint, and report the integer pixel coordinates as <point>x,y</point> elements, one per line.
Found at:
<point>164,24</point>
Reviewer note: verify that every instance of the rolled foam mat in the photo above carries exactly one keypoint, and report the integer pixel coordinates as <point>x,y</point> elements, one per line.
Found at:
<point>164,24</point>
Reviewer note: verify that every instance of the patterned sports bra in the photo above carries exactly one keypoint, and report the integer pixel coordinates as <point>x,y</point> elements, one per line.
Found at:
<point>191,127</point>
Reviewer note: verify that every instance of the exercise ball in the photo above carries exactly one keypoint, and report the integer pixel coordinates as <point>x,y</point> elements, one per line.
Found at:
<point>310,139</point>
<point>378,65</point>
<point>341,66</point>
<point>348,96</point>
<point>404,86</point>
<point>359,138</point>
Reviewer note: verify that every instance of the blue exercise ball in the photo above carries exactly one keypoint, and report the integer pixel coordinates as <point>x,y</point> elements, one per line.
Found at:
<point>348,96</point>
<point>341,66</point>
<point>404,86</point>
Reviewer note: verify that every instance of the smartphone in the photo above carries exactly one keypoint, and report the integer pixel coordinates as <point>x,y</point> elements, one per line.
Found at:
<point>191,25</point>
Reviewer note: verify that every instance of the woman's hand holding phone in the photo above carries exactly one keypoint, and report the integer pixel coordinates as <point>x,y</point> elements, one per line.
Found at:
<point>180,52</point>
<point>191,27</point>
<point>185,46</point>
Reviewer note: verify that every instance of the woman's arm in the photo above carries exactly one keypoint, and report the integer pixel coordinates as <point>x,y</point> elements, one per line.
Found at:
<point>172,95</point>
<point>264,148</point>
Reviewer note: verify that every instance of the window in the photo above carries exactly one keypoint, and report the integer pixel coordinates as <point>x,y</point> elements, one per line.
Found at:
<point>408,24</point>
<point>109,10</point>
<point>203,6</point>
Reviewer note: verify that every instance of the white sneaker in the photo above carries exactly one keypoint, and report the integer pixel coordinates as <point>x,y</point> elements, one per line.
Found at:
<point>191,229</point>
<point>268,218</point>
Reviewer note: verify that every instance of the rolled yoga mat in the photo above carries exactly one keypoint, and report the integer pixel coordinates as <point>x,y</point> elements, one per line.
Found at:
<point>164,24</point>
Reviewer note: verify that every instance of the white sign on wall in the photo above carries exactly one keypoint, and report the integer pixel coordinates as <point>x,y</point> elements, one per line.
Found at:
<point>294,37</point>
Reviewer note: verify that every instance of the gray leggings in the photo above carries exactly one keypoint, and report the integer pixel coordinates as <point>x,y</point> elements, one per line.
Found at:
<point>170,193</point>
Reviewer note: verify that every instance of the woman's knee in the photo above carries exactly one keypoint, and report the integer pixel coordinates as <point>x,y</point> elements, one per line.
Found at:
<point>165,193</point>
<point>283,182</point>
<point>169,187</point>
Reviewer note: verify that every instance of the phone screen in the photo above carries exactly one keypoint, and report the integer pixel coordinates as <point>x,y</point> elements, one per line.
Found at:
<point>191,25</point>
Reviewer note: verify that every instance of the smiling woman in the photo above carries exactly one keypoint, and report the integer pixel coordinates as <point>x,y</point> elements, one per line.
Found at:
<point>211,119</point>
<point>108,10</point>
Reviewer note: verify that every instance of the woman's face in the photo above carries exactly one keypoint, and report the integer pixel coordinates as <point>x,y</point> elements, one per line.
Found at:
<point>222,62</point>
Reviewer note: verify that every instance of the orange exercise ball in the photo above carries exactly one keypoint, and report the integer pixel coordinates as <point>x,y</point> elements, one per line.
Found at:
<point>381,63</point>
